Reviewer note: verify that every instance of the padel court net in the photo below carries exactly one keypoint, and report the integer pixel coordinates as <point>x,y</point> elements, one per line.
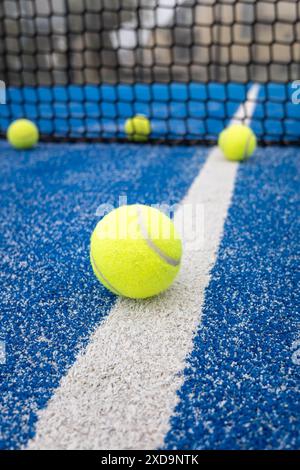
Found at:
<point>80,68</point>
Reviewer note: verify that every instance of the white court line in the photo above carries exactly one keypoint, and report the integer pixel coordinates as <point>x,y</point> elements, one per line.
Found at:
<point>121,391</point>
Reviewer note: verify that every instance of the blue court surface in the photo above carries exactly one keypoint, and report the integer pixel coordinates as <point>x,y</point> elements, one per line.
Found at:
<point>241,388</point>
<point>240,384</point>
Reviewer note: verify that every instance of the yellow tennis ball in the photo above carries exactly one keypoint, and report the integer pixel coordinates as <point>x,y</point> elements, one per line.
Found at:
<point>135,251</point>
<point>23,134</point>
<point>138,128</point>
<point>237,142</point>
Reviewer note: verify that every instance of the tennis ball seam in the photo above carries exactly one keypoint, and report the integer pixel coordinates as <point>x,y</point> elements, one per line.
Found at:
<point>101,275</point>
<point>146,237</point>
<point>245,154</point>
<point>245,146</point>
<point>163,256</point>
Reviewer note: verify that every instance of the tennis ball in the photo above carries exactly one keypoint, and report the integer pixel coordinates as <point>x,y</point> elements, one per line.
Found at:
<point>135,251</point>
<point>237,142</point>
<point>23,134</point>
<point>138,128</point>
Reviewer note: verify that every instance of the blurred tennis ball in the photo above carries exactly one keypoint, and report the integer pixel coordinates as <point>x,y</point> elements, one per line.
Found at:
<point>22,134</point>
<point>135,251</point>
<point>138,128</point>
<point>237,142</point>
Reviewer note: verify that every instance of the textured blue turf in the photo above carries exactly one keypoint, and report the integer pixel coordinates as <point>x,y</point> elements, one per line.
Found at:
<point>192,110</point>
<point>50,300</point>
<point>241,388</point>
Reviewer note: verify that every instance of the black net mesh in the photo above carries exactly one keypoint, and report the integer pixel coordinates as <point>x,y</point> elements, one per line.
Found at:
<point>80,68</point>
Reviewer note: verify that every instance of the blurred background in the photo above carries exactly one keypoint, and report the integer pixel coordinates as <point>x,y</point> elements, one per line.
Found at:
<point>95,42</point>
